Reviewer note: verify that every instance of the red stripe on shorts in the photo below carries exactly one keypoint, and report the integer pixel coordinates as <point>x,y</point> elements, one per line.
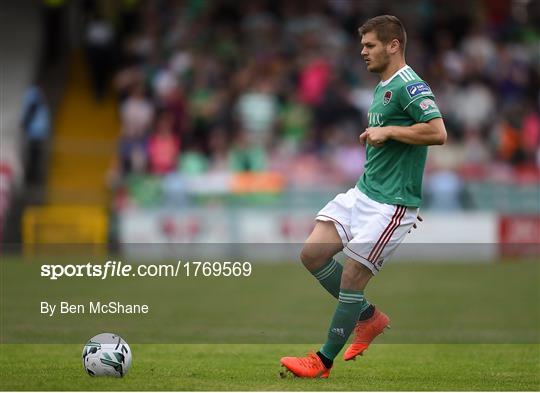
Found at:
<point>389,230</point>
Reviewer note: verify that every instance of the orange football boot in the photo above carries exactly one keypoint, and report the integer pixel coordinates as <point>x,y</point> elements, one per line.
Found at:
<point>365,333</point>
<point>310,366</point>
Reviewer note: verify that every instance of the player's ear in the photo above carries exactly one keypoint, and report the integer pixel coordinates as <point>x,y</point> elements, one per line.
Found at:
<point>395,46</point>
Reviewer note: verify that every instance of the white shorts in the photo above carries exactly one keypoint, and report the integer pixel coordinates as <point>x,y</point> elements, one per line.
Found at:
<point>370,230</point>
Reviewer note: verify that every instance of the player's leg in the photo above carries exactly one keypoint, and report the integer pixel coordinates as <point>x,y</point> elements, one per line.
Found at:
<point>352,303</point>
<point>371,322</point>
<point>331,233</point>
<point>318,256</point>
<point>373,248</point>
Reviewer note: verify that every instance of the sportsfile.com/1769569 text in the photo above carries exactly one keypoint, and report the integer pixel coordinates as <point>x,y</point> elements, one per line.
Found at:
<point>112,269</point>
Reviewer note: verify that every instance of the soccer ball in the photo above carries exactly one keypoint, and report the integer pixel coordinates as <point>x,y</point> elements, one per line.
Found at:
<point>106,354</point>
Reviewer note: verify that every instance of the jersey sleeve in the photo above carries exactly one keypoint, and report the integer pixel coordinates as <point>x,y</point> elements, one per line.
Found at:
<point>417,99</point>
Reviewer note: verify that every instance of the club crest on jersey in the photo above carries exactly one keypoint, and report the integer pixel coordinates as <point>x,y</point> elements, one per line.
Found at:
<point>417,88</point>
<point>387,97</point>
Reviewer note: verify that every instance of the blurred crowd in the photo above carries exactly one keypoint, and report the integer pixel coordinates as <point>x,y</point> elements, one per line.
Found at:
<point>224,86</point>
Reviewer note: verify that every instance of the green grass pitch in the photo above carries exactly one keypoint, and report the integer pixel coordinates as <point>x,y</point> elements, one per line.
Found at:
<point>454,327</point>
<point>385,367</point>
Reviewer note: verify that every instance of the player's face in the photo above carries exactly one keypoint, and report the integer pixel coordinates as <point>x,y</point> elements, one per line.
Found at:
<point>374,53</point>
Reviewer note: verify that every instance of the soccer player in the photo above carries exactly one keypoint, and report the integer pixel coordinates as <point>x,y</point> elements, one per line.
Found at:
<point>370,220</point>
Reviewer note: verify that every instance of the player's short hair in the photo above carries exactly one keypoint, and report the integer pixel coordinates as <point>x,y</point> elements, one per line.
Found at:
<point>387,28</point>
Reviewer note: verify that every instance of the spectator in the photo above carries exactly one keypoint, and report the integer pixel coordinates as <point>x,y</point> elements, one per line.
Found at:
<point>295,121</point>
<point>258,112</point>
<point>314,78</point>
<point>163,145</point>
<point>53,17</point>
<point>530,140</point>
<point>136,113</point>
<point>36,123</point>
<point>473,105</point>
<point>99,40</point>
<point>245,156</point>
<point>132,153</point>
<point>443,189</point>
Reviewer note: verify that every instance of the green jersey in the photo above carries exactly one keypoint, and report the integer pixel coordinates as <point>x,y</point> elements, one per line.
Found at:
<point>393,173</point>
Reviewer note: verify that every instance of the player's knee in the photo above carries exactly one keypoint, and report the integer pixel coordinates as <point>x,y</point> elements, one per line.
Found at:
<point>312,256</point>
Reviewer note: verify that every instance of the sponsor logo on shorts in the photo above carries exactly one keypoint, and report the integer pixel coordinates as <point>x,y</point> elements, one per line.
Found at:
<point>417,88</point>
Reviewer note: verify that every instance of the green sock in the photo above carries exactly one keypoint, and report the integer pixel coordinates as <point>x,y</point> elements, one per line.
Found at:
<point>329,276</point>
<point>350,306</point>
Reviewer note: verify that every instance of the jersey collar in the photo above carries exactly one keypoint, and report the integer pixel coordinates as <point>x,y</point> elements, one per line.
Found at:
<point>384,83</point>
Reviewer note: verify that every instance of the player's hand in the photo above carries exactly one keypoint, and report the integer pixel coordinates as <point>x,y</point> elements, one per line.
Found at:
<point>374,136</point>
<point>419,219</point>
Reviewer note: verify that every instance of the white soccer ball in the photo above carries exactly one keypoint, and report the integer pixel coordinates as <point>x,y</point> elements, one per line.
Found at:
<point>106,354</point>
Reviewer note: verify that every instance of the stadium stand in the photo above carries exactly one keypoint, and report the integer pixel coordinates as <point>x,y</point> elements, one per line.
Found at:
<point>277,87</point>
<point>260,103</point>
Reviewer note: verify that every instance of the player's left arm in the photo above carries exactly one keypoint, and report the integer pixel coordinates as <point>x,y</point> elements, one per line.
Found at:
<point>433,132</point>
